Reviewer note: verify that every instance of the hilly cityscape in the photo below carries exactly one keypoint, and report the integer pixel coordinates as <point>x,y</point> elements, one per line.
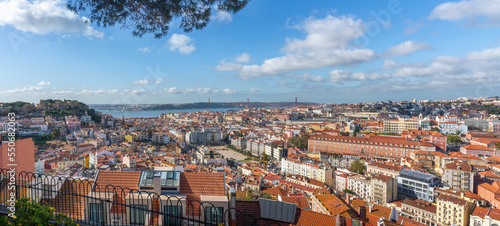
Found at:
<point>244,112</point>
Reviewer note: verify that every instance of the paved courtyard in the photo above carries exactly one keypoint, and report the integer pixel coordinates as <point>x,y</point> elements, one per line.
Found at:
<point>228,153</point>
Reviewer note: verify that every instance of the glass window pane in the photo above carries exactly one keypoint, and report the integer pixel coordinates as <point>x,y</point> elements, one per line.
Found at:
<point>138,214</point>
<point>97,213</point>
<point>173,215</point>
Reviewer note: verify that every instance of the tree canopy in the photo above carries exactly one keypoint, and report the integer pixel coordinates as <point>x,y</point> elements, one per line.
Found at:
<point>153,16</point>
<point>300,141</point>
<point>358,166</point>
<point>453,139</point>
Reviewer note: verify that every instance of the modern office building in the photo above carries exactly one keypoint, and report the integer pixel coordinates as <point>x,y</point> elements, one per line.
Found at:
<point>416,184</point>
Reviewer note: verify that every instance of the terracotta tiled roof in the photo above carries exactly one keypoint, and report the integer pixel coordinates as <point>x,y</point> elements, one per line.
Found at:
<point>381,177</point>
<point>458,165</point>
<point>275,191</point>
<point>202,183</point>
<point>408,222</point>
<point>124,179</point>
<point>490,188</point>
<point>488,174</point>
<point>300,201</point>
<point>448,198</point>
<point>420,204</point>
<point>307,218</point>
<point>330,202</point>
<point>377,212</point>
<point>477,147</point>
<point>72,204</point>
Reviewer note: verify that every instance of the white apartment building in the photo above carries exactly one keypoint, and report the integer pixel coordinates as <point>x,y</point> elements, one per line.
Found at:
<point>361,186</point>
<point>307,169</point>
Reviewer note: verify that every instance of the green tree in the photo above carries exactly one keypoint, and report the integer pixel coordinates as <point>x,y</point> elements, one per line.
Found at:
<point>30,213</point>
<point>153,16</point>
<point>355,132</point>
<point>348,191</point>
<point>498,145</point>
<point>264,157</point>
<point>300,141</point>
<point>358,166</point>
<point>150,134</point>
<point>454,139</point>
<point>435,129</point>
<point>56,133</point>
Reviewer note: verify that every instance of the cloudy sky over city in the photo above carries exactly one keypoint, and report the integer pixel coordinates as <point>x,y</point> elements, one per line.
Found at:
<point>321,51</point>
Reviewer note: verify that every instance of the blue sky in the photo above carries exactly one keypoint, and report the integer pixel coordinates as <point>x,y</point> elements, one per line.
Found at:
<point>322,51</point>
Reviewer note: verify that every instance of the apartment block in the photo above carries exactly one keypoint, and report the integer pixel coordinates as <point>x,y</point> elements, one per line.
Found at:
<point>458,175</point>
<point>453,211</point>
<point>419,210</point>
<point>416,184</point>
<point>399,125</point>
<point>360,185</point>
<point>307,169</point>
<point>369,146</point>
<point>384,189</point>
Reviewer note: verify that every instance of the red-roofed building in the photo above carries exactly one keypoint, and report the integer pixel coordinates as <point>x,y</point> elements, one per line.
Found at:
<point>485,216</point>
<point>479,150</point>
<point>370,146</point>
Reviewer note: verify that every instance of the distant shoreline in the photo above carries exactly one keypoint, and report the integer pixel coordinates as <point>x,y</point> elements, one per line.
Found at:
<point>155,113</point>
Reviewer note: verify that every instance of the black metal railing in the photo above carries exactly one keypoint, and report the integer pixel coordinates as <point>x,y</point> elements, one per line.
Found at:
<point>88,203</point>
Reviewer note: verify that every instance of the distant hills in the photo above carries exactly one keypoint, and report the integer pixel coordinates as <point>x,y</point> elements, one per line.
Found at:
<point>199,105</point>
<point>56,108</point>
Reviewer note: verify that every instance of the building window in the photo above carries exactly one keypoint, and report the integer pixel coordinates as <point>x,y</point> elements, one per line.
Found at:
<point>214,215</point>
<point>97,213</point>
<point>138,214</point>
<point>173,215</point>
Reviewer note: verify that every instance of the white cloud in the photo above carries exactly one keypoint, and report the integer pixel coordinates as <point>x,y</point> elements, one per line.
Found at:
<point>389,64</point>
<point>327,33</point>
<point>113,91</point>
<point>43,83</point>
<point>467,9</point>
<point>26,89</point>
<point>63,92</point>
<point>181,43</point>
<point>138,92</point>
<point>482,62</point>
<point>199,90</point>
<point>413,26</point>
<point>159,80</point>
<point>254,90</point>
<point>144,50</point>
<point>342,76</point>
<point>141,82</point>
<point>228,66</point>
<point>93,92</point>
<point>228,91</point>
<point>43,17</point>
<point>325,45</point>
<point>173,90</point>
<point>222,16</point>
<point>406,48</point>
<point>243,58</point>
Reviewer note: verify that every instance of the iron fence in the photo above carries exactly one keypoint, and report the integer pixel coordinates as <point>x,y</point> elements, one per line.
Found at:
<point>89,203</point>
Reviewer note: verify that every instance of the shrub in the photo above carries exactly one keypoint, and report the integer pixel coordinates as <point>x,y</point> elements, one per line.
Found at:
<point>29,213</point>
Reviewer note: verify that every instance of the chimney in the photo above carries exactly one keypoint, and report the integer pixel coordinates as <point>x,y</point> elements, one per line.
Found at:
<point>157,184</point>
<point>370,207</point>
<point>362,213</point>
<point>348,198</point>
<point>232,205</point>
